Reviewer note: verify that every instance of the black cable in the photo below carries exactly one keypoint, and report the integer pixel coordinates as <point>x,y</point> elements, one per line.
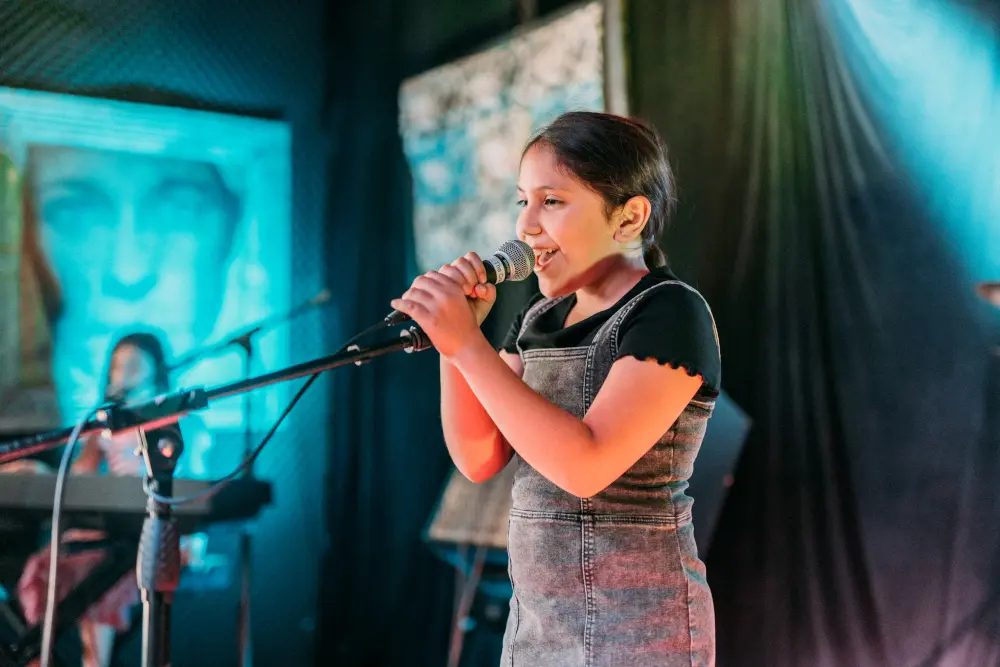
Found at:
<point>219,484</point>
<point>367,332</point>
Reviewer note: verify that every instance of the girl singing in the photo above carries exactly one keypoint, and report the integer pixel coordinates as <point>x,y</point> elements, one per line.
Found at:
<point>600,395</point>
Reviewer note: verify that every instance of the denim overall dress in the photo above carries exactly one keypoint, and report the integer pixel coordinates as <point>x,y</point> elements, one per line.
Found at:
<point>613,580</point>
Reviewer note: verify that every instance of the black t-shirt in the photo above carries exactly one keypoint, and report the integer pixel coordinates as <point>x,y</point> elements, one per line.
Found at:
<point>672,325</point>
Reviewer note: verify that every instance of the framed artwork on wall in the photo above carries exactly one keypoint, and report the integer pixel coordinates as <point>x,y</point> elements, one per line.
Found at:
<point>463,124</point>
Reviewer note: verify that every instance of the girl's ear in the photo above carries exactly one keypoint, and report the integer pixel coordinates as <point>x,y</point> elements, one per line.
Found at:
<point>631,219</point>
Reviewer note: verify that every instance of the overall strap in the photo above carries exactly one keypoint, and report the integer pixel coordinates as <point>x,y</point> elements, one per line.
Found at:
<point>532,314</point>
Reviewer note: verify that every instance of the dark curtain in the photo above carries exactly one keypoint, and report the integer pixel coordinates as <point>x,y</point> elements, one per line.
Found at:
<point>380,590</point>
<point>386,597</point>
<point>862,526</point>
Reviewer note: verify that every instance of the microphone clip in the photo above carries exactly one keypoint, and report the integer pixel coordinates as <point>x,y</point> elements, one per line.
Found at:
<point>418,340</point>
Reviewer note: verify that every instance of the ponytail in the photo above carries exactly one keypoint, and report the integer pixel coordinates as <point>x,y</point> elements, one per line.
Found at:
<point>654,257</point>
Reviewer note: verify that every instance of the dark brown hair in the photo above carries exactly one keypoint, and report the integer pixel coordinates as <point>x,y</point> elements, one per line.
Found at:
<point>151,345</point>
<point>619,158</point>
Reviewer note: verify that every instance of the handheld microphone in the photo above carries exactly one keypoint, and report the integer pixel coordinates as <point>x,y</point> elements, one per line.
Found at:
<point>513,260</point>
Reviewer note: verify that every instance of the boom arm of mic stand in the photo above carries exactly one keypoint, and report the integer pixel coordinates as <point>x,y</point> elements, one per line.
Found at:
<point>168,408</point>
<point>114,417</point>
<point>242,337</point>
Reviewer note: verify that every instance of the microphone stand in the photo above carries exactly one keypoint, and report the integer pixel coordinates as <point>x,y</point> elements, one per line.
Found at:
<point>244,637</point>
<point>158,558</point>
<point>244,341</point>
<point>243,336</point>
<point>158,561</point>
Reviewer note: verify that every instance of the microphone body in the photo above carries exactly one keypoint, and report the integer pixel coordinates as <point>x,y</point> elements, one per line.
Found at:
<point>513,261</point>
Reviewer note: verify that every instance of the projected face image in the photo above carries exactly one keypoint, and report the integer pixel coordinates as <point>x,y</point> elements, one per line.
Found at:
<point>130,240</point>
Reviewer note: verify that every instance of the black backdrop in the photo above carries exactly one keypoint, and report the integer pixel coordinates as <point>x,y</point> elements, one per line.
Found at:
<point>387,600</point>
<point>862,528</point>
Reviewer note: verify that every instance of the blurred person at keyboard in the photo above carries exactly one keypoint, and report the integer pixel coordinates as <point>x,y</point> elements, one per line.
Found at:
<point>137,371</point>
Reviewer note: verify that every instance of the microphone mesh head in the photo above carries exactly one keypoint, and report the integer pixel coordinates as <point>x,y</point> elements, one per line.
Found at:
<point>522,259</point>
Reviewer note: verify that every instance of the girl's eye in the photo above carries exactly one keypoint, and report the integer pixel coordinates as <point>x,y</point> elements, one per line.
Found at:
<point>548,201</point>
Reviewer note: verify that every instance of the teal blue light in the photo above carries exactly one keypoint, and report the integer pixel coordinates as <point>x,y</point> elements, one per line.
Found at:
<point>930,72</point>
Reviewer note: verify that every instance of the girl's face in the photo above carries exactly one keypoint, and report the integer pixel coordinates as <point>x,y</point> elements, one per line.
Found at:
<point>132,373</point>
<point>564,221</point>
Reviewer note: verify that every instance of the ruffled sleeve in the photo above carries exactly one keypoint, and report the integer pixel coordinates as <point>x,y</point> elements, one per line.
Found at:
<point>674,325</point>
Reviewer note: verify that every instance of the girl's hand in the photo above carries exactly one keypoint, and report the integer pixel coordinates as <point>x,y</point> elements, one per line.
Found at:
<point>450,304</point>
<point>470,273</point>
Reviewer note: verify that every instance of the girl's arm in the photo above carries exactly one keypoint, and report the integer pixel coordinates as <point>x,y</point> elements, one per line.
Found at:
<point>638,402</point>
<point>476,445</point>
